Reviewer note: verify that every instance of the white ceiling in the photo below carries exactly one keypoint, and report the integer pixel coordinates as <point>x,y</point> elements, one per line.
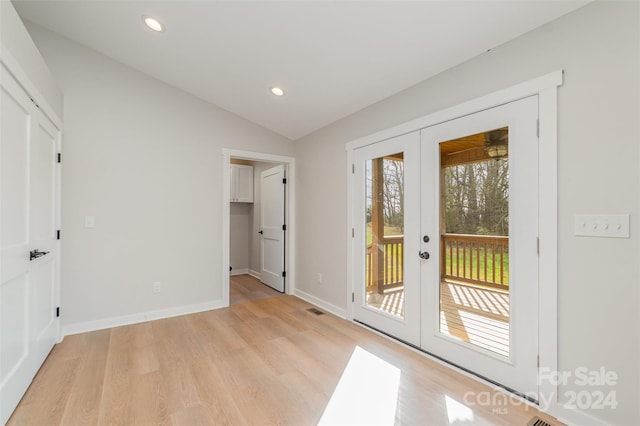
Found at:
<point>332,58</point>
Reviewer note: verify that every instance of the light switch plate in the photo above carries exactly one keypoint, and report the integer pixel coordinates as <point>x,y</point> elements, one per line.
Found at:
<point>89,221</point>
<point>602,225</point>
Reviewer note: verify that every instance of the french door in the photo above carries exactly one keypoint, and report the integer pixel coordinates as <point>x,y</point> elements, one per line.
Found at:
<point>386,203</point>
<point>468,263</point>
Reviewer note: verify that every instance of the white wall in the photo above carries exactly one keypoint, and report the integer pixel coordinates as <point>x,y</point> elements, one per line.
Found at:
<point>145,159</point>
<point>598,46</point>
<point>19,49</point>
<point>240,215</point>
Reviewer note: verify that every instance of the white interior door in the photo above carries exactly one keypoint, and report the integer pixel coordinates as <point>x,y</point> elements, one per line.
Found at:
<point>480,298</point>
<point>386,206</point>
<point>272,227</point>
<point>28,292</point>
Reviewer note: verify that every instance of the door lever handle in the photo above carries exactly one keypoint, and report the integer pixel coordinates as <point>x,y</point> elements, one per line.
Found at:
<point>34,254</point>
<point>260,232</point>
<point>424,254</point>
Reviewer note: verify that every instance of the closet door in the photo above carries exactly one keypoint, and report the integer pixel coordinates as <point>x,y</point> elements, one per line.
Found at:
<point>28,246</point>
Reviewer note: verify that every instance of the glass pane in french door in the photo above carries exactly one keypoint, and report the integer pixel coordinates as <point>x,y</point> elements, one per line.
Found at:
<point>474,224</point>
<point>384,210</point>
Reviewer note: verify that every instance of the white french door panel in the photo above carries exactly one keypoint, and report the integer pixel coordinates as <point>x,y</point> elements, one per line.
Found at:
<point>407,326</point>
<point>28,146</point>
<point>518,371</point>
<point>272,219</point>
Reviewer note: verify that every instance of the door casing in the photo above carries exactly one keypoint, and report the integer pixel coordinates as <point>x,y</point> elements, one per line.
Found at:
<point>290,235</point>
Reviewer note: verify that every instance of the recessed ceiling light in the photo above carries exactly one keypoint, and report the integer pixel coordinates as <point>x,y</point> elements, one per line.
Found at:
<point>153,23</point>
<point>277,91</point>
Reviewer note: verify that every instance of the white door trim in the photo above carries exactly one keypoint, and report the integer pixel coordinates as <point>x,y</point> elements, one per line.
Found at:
<point>290,255</point>
<point>546,87</point>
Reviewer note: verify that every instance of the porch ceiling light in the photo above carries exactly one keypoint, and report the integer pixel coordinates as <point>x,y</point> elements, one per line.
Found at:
<point>497,143</point>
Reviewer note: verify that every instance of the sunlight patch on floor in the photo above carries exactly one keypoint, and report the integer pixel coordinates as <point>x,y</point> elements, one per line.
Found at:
<point>367,393</point>
<point>458,412</point>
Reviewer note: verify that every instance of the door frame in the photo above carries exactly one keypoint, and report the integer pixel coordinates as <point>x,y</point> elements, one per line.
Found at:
<point>290,199</point>
<point>546,87</point>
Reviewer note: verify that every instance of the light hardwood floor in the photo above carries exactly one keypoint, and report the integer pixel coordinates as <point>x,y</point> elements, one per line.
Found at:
<point>245,288</point>
<point>263,362</point>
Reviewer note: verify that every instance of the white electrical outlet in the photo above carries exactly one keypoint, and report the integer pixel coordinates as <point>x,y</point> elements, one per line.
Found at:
<point>319,278</point>
<point>157,287</point>
<point>89,221</point>
<point>601,225</point>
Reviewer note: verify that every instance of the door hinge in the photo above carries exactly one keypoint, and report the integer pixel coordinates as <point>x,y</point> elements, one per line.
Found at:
<point>353,167</point>
<point>59,158</point>
<point>353,232</point>
<point>353,297</point>
<point>538,361</point>
<point>284,181</point>
<point>284,274</point>
<point>538,128</point>
<point>58,234</point>
<point>58,312</point>
<point>538,245</point>
<point>284,227</point>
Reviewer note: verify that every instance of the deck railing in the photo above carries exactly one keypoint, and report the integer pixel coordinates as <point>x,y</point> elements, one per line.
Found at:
<point>393,261</point>
<point>476,259</point>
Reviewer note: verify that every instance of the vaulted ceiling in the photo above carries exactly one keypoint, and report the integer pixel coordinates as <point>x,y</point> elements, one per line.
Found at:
<point>332,58</point>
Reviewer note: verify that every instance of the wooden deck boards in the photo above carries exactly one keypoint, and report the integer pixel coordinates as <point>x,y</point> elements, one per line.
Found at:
<point>474,314</point>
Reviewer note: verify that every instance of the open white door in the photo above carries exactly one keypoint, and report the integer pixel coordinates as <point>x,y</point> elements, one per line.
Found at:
<point>272,228</point>
<point>28,241</point>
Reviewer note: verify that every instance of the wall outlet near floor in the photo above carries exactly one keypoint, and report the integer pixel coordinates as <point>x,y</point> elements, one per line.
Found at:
<point>157,287</point>
<point>319,278</point>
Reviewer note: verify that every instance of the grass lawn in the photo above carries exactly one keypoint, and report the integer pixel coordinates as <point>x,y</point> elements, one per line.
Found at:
<point>476,272</point>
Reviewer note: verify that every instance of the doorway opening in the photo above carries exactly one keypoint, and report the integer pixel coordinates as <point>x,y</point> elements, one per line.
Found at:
<point>258,241</point>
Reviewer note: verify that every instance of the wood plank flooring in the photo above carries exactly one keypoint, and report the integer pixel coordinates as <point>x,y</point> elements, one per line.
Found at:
<point>262,362</point>
<point>245,288</point>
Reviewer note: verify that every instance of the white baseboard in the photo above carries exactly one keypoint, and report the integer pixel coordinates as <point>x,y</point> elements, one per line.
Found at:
<point>577,417</point>
<point>329,307</point>
<point>101,324</point>
<point>254,274</point>
<point>239,271</point>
